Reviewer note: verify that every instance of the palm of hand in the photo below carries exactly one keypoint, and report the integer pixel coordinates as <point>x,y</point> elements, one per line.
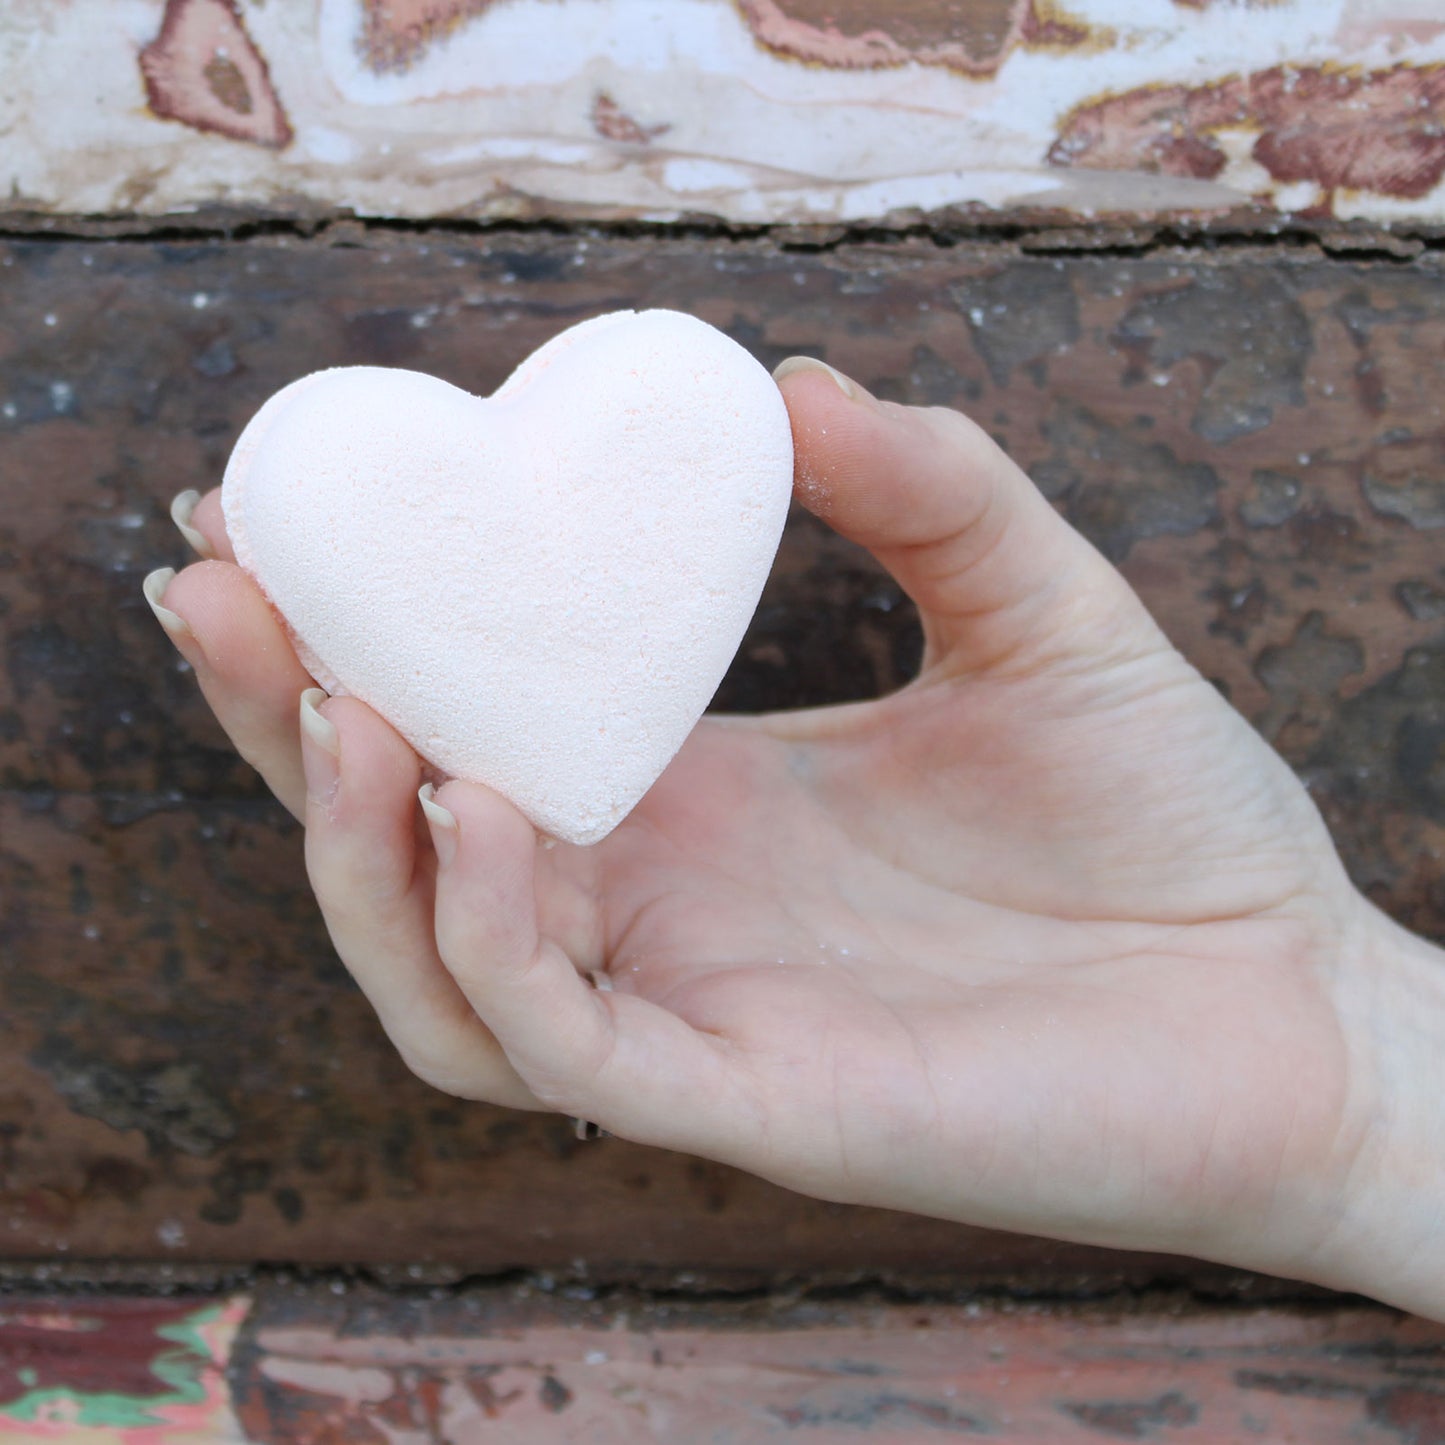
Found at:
<point>932,938</point>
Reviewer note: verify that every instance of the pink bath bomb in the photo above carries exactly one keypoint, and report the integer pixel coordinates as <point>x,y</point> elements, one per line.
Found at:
<point>542,589</point>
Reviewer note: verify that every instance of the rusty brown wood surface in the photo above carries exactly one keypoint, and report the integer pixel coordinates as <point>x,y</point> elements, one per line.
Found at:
<point>185,1073</point>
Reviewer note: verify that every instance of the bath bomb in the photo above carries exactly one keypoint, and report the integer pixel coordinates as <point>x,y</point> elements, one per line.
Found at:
<point>542,589</point>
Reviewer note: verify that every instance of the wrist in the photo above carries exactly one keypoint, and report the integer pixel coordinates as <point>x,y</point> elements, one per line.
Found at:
<point>1381,1204</point>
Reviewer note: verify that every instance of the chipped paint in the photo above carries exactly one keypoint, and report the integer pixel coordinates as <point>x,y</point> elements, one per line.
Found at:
<point>203,71</point>
<point>748,110</point>
<point>294,1365</point>
<point>395,32</point>
<point>612,122</point>
<point>1373,131</point>
<point>490,1365</point>
<point>116,1372</point>
<point>1404,478</point>
<point>863,35</point>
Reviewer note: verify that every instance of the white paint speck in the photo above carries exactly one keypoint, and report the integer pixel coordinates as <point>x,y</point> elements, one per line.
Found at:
<point>331,147</point>
<point>171,1233</point>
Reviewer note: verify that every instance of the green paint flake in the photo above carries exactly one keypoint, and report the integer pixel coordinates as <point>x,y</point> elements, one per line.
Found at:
<point>181,1370</point>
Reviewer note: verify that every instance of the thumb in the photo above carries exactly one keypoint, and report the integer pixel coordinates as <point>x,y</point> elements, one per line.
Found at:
<point>1000,579</point>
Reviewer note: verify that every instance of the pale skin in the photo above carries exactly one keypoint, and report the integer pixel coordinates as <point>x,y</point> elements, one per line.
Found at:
<point>1049,940</point>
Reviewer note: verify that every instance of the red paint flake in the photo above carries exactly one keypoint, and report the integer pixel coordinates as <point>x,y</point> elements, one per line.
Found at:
<point>1046,27</point>
<point>974,38</point>
<point>1380,131</point>
<point>864,35</point>
<point>327,1373</point>
<point>395,33</point>
<point>203,70</point>
<point>611,122</point>
<point>100,1347</point>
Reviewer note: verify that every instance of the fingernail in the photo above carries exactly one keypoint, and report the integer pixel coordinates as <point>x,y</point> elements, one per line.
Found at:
<point>320,749</point>
<point>442,822</point>
<point>183,504</point>
<point>176,626</point>
<point>795,364</point>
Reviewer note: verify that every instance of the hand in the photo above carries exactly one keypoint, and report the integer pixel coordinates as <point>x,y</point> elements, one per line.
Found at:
<point>1049,940</point>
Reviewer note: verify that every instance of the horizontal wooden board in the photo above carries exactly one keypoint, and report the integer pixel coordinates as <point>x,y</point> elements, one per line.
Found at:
<point>755,111</point>
<point>353,1367</point>
<point>184,1071</point>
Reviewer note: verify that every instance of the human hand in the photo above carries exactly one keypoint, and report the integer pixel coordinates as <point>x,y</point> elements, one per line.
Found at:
<point>1048,940</point>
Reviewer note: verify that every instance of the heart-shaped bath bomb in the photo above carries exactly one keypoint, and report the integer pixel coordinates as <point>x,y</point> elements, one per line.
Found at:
<point>541,590</point>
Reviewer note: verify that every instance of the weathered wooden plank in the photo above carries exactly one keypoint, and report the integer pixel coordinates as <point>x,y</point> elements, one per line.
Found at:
<point>468,1368</point>
<point>1257,439</point>
<point>296,1366</point>
<point>813,111</point>
<point>188,1074</point>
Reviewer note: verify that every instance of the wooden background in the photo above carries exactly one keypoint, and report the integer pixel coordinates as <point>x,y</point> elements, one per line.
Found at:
<point>226,1211</point>
<point>187,1074</point>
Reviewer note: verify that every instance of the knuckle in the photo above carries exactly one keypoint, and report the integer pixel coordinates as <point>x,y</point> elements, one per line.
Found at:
<point>442,1075</point>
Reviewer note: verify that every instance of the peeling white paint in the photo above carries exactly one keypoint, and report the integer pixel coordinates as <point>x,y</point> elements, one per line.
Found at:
<point>501,116</point>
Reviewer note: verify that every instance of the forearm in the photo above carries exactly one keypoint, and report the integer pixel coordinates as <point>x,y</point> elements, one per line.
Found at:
<point>1384,1229</point>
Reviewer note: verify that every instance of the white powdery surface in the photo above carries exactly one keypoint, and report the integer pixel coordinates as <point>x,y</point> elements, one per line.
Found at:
<point>542,590</point>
